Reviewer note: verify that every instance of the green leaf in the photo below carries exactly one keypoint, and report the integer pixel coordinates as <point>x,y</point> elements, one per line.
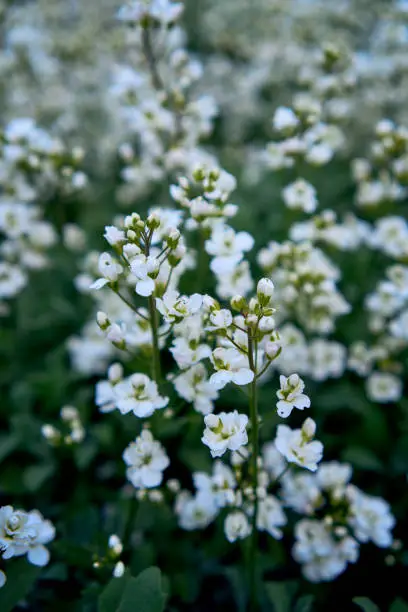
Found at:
<point>36,475</point>
<point>304,604</point>
<point>366,604</point>
<point>144,593</point>
<point>280,594</point>
<point>7,445</point>
<point>21,576</point>
<point>111,596</point>
<point>399,605</point>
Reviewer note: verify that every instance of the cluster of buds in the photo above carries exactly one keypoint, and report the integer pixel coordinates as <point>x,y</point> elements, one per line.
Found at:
<point>205,195</point>
<point>71,431</point>
<point>111,557</point>
<point>383,177</point>
<point>144,265</point>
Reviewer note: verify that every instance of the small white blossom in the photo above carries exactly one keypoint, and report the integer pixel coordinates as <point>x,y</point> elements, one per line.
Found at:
<point>231,366</point>
<point>236,527</point>
<point>300,195</point>
<point>270,516</point>
<point>291,395</point>
<point>296,445</point>
<point>175,307</point>
<point>138,394</point>
<point>146,460</point>
<point>384,388</point>
<point>225,431</point>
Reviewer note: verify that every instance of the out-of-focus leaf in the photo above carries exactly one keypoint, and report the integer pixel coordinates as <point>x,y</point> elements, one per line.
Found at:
<point>144,593</point>
<point>399,605</point>
<point>21,576</point>
<point>280,594</point>
<point>362,458</point>
<point>366,604</point>
<point>111,596</point>
<point>304,603</point>
<point>36,475</point>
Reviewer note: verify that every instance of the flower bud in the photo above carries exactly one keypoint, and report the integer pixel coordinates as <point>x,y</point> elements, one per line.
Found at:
<point>239,303</point>
<point>132,220</point>
<point>102,320</point>
<point>272,350</point>
<point>119,569</point>
<point>153,221</point>
<point>309,428</point>
<point>264,291</point>
<point>115,372</point>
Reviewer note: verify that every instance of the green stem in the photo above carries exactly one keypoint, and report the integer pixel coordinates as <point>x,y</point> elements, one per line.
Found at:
<point>253,414</point>
<point>156,368</point>
<point>202,259</point>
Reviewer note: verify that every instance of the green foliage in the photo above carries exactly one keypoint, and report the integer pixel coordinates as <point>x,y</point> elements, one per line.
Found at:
<point>21,577</point>
<point>127,594</point>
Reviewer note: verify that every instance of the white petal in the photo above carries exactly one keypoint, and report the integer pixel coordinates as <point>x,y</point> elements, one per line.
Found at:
<point>99,283</point>
<point>3,579</point>
<point>284,409</point>
<point>38,555</point>
<point>145,287</point>
<point>243,376</point>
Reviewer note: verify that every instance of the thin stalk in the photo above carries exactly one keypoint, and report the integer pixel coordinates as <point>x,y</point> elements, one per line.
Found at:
<point>156,368</point>
<point>151,59</point>
<point>131,306</point>
<point>253,414</point>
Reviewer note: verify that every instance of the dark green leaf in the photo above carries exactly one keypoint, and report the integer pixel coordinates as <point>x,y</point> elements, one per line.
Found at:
<point>144,593</point>
<point>366,604</point>
<point>21,576</point>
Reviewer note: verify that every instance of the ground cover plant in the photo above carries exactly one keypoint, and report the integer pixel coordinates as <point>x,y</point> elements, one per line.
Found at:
<point>204,305</point>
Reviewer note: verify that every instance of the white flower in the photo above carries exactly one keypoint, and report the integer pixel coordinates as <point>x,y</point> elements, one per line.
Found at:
<point>220,484</point>
<point>220,319</point>
<point>231,366</point>
<point>195,512</point>
<point>301,492</point>
<point>193,386</point>
<point>25,533</point>
<point>285,119</point>
<point>3,579</point>
<point>138,394</point>
<point>147,461</point>
<point>236,526</point>
<point>145,269</point>
<point>296,445</point>
<point>334,477</point>
<point>225,431</point>
<point>175,307</point>
<point>323,557</point>
<point>109,269</point>
<point>12,280</point>
<point>114,235</point>
<point>370,518</point>
<point>384,388</point>
<point>189,352</point>
<point>273,461</point>
<point>270,516</point>
<point>300,195</point>
<point>291,395</point>
<point>227,247</point>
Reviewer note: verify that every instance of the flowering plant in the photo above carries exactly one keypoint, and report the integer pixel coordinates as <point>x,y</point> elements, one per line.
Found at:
<point>205,313</point>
